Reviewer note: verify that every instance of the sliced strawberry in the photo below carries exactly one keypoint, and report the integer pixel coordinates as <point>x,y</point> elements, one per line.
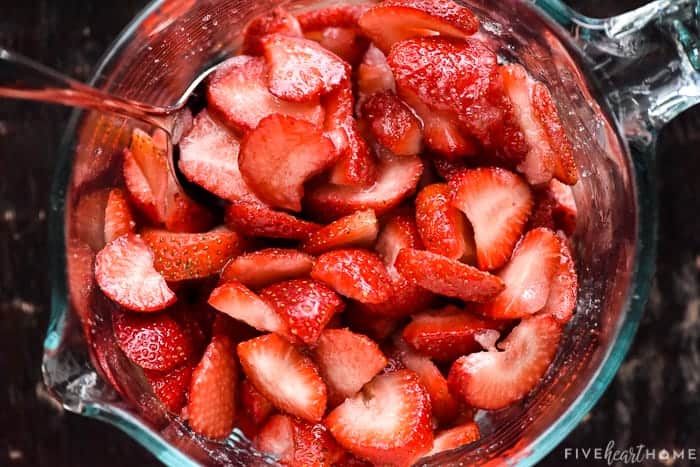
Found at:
<point>339,16</point>
<point>237,331</point>
<point>542,211</point>
<point>442,227</point>
<point>276,21</point>
<point>348,460</point>
<point>237,301</point>
<point>388,422</point>
<point>355,273</point>
<point>359,230</point>
<point>563,291</point>
<point>449,168</point>
<point>171,387</point>
<point>264,267</point>
<point>295,442</point>
<point>393,124</point>
<point>528,277</point>
<point>374,74</point>
<point>80,270</point>
<point>181,256</point>
<point>185,215</point>
<point>138,188</point>
<point>346,43</point>
<point>255,405</point>
<point>446,334</point>
<point>211,406</point>
<point>306,306</point>
<point>395,20</point>
<point>455,437</point>
<point>88,218</point>
<point>259,220</point>
<point>280,155</point>
<point>268,360</point>
<point>125,273</point>
<point>400,231</point>
<point>238,95</point>
<point>277,438</point>
<point>494,380</point>
<point>347,361</point>
<point>445,276</point>
<point>118,217</point>
<point>377,326</point>
<point>497,203</point>
<point>301,70</point>
<point>564,208</point>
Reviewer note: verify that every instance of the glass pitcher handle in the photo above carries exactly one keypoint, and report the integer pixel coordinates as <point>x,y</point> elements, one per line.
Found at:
<point>648,60</point>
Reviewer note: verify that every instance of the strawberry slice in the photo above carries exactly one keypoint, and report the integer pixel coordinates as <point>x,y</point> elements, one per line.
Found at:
<point>564,208</point>
<point>211,406</point>
<point>388,422</point>
<point>494,380</point>
<point>259,220</point>
<point>449,168</point>
<point>447,334</point>
<point>181,256</point>
<point>280,155</point>
<point>171,387</point>
<point>445,276</point>
<point>296,442</point>
<point>125,273</point>
<point>563,291</point>
<point>347,361</point>
<point>358,230</point>
<point>528,277</point>
<point>300,69</point>
<point>255,405</point>
<point>118,217</point>
<point>237,301</point>
<point>393,124</point>
<point>238,95</point>
<point>306,306</point>
<point>497,203</point>
<point>264,267</point>
<point>455,437</point>
<point>355,273</point>
<point>88,218</point>
<point>184,214</point>
<point>138,188</point>
<point>374,74</point>
<point>268,360</point>
<point>346,43</point>
<point>338,16</point>
<point>277,21</point>
<point>277,438</point>
<point>396,20</point>
<point>363,321</point>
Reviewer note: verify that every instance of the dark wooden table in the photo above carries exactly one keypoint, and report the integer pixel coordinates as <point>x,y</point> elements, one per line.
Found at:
<point>654,400</point>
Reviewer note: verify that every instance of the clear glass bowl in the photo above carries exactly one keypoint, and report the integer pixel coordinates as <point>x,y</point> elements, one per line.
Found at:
<point>170,42</point>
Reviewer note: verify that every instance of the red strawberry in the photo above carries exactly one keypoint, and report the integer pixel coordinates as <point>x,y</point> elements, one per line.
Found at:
<point>300,69</point>
<point>393,124</point>
<point>295,442</point>
<point>211,406</point>
<point>564,209</point>
<point>181,256</point>
<point>264,267</point>
<point>118,217</point>
<point>388,422</point>
<point>186,216</point>
<point>269,360</point>
<point>338,16</point>
<point>80,268</point>
<point>237,331</point>
<point>171,387</point>
<point>378,327</point>
<point>306,306</point>
<point>259,220</point>
<point>395,20</point>
<point>335,28</point>
<point>494,380</point>
<point>528,277</point>
<point>255,405</point>
<point>447,168</point>
<point>455,437</point>
<point>138,188</point>
<point>359,229</point>
<point>277,438</point>
<point>237,301</point>
<point>497,203</point>
<point>276,21</point>
<point>445,276</point>
<point>280,155</point>
<point>238,95</point>
<point>346,43</point>
<point>374,74</point>
<point>347,361</point>
<point>355,273</point>
<point>124,271</point>
<point>153,342</point>
<point>563,291</point>
<point>88,217</point>
<point>446,334</point>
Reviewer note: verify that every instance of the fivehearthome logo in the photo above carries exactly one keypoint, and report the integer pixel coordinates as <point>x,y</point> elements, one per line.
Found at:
<point>638,454</point>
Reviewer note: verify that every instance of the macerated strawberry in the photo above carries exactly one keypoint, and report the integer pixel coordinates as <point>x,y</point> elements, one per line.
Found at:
<point>237,301</point>
<point>400,231</point>
<point>125,273</point>
<point>118,217</point>
<point>388,422</point>
<point>374,325</point>
<point>528,277</point>
<point>306,306</point>
<point>497,203</point>
<point>171,387</point>
<point>89,217</point>
<point>276,437</point>
<point>346,43</point>
<point>449,168</point>
<point>563,291</point>
<point>80,271</point>
<point>184,214</point>
<point>280,155</point>
<point>270,359</point>
<point>264,267</point>
<point>359,230</point>
<point>238,95</point>
<point>455,437</point>
<point>276,21</point>
<point>445,276</point>
<point>259,220</point>
<point>255,405</point>
<point>338,16</point>
<point>393,124</point>
<point>493,380</point>
<point>237,331</point>
<point>395,20</point>
<point>374,74</point>
<point>355,273</point>
<point>442,227</point>
<point>138,188</point>
<point>564,208</point>
<point>347,361</point>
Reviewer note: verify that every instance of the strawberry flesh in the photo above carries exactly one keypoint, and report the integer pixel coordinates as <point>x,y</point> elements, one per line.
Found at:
<point>264,267</point>
<point>356,230</point>
<point>563,291</point>
<point>138,188</point>
<point>237,301</point>
<point>119,219</point>
<point>277,21</point>
<point>259,220</point>
<point>171,387</point>
<point>455,437</point>
<point>255,405</point>
<point>393,124</point>
<point>354,273</point>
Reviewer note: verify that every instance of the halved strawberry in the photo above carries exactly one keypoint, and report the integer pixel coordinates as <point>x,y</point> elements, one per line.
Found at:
<point>118,217</point>
<point>455,437</point>
<point>355,273</point>
<point>138,188</point>
<point>211,406</point>
<point>171,387</point>
<point>264,267</point>
<point>301,70</point>
<point>237,301</point>
<point>346,43</point>
<point>339,16</point>
<point>125,273</point>
<point>497,203</point>
<point>295,442</point>
<point>89,217</point>
<point>563,291</point>
<point>238,95</point>
<point>445,276</point>
<point>181,256</point>
<point>259,220</point>
<point>276,21</point>
<point>269,360</point>
<point>528,277</point>
<point>374,74</point>
<point>359,229</point>
<point>494,380</point>
<point>395,20</point>
<point>374,325</point>
<point>280,155</point>
<point>393,124</point>
<point>255,405</point>
<point>564,208</point>
<point>347,361</point>
<point>306,306</point>
<point>388,422</point>
<point>277,438</point>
